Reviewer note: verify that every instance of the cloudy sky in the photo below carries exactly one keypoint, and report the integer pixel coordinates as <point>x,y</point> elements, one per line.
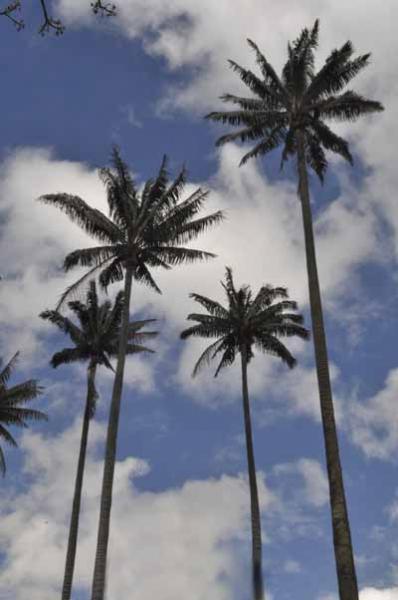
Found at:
<point>180,521</point>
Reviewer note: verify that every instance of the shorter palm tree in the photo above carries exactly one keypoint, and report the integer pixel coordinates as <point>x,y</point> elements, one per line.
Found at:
<point>96,340</point>
<point>245,324</point>
<point>12,401</point>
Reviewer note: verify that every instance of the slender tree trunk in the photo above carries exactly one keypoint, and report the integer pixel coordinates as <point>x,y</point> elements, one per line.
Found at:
<point>346,575</point>
<point>74,520</point>
<point>98,588</point>
<point>258,586</point>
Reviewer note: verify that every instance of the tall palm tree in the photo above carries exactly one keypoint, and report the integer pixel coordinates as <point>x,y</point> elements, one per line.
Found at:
<point>12,409</point>
<point>245,324</point>
<point>291,111</point>
<point>145,229</point>
<point>95,341</point>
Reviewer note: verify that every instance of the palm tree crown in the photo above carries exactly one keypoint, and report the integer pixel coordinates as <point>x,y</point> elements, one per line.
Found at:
<point>300,100</point>
<point>245,324</point>
<point>12,409</point>
<point>145,229</point>
<point>96,338</point>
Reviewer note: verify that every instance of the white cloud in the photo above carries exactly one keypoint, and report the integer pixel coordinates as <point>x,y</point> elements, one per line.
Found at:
<point>315,490</point>
<point>370,593</point>
<point>374,423</point>
<point>34,240</point>
<point>292,566</point>
<point>190,527</point>
<point>185,33</point>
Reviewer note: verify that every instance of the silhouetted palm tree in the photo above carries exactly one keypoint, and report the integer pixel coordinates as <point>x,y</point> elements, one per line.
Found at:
<point>12,409</point>
<point>146,229</point>
<point>247,322</point>
<point>292,111</point>
<point>95,341</point>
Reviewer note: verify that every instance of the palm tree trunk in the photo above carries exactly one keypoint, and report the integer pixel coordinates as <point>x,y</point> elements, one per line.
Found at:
<point>98,587</point>
<point>258,586</point>
<point>74,520</point>
<point>346,575</point>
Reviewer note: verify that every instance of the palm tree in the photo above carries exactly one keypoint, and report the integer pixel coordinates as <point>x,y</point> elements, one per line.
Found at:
<point>246,323</point>
<point>95,341</point>
<point>146,229</point>
<point>12,401</point>
<point>291,111</point>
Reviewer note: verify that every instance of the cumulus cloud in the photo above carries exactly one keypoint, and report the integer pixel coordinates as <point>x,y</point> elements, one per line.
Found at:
<point>370,593</point>
<point>187,34</point>
<point>374,423</point>
<point>315,490</point>
<point>191,527</point>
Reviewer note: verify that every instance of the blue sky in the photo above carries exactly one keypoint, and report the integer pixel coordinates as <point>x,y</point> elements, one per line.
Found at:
<point>180,522</point>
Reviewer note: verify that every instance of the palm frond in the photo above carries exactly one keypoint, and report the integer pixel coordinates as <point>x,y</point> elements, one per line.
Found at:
<point>256,85</point>
<point>228,356</point>
<point>175,255</point>
<point>111,273</point>
<point>3,468</point>
<point>92,301</point>
<point>175,218</point>
<point>290,145</point>
<point>143,275</point>
<point>69,355</point>
<point>271,345</point>
<point>250,104</point>
<point>268,294</point>
<point>331,141</point>
<point>206,357</point>
<point>190,231</point>
<point>172,194</point>
<point>121,191</point>
<point>277,93</point>
<point>272,141</point>
<point>74,287</point>
<point>6,372</point>
<point>348,106</point>
<point>87,257</point>
<point>91,220</point>
<point>63,323</point>
<point>159,186</point>
<point>7,437</point>
<point>142,335</point>
<point>258,119</point>
<point>336,73</point>
<point>213,307</point>
<point>243,135</point>
<point>284,328</point>
<point>136,326</point>
<point>300,65</point>
<point>21,393</point>
<point>136,348</point>
<point>315,156</point>
<point>18,416</point>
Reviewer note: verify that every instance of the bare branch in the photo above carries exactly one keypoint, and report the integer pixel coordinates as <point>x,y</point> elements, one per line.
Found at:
<point>103,10</point>
<point>9,11</point>
<point>50,23</point>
